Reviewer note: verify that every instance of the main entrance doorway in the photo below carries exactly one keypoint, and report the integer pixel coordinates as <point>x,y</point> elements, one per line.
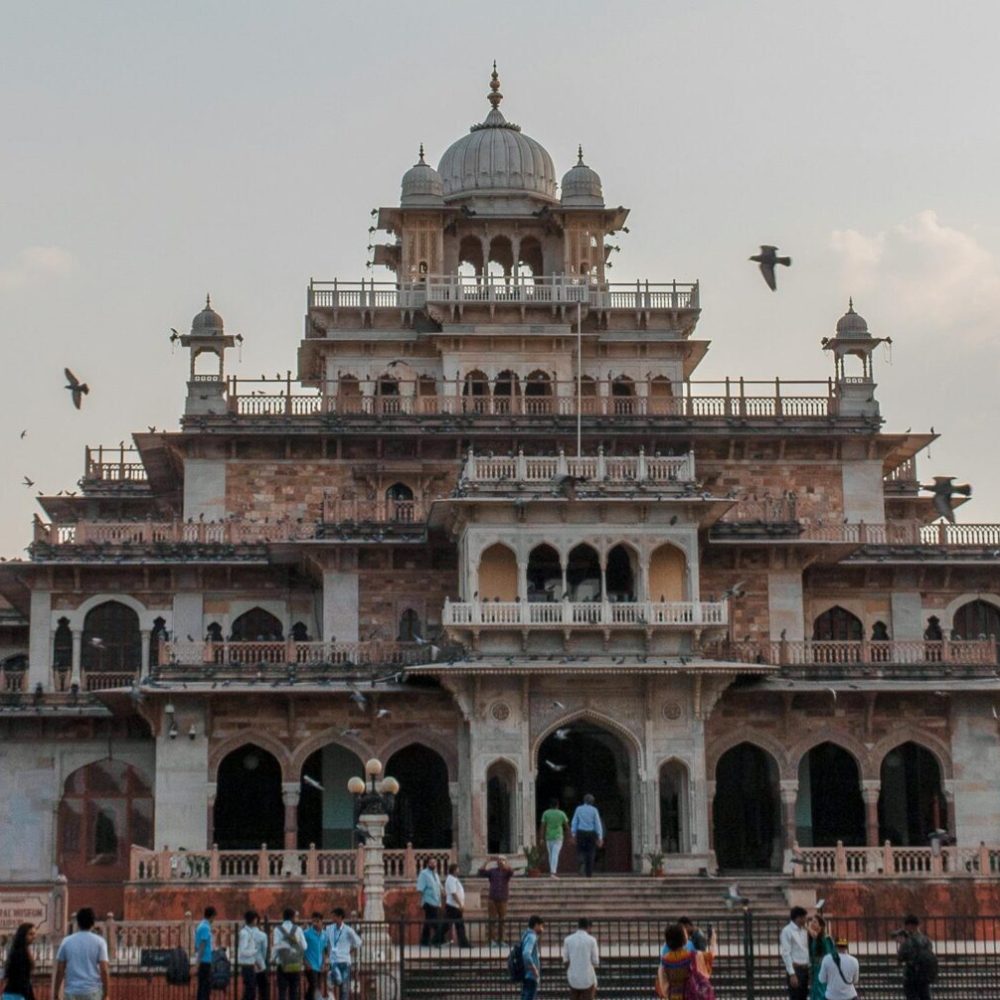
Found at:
<point>746,809</point>
<point>580,758</point>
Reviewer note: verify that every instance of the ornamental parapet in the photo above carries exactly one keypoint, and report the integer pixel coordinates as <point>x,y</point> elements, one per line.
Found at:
<point>891,861</point>
<point>586,614</point>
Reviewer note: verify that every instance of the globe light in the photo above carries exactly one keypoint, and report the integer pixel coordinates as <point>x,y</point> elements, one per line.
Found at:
<point>373,768</point>
<point>390,786</point>
<point>356,786</point>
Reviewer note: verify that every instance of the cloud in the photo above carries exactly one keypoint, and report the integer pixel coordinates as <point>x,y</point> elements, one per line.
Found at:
<point>921,278</point>
<point>33,263</point>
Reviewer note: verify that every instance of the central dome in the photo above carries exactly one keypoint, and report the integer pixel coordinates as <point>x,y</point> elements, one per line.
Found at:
<point>497,158</point>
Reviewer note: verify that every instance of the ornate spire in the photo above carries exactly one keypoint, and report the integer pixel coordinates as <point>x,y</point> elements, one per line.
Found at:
<point>579,155</point>
<point>494,97</point>
<point>208,301</point>
<point>421,152</point>
<point>850,304</point>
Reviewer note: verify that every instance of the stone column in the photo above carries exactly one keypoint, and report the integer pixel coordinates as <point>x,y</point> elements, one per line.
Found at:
<point>789,788</point>
<point>376,950</point>
<point>77,646</point>
<point>144,652</point>
<point>290,791</point>
<point>211,788</point>
<point>870,791</point>
<point>40,640</point>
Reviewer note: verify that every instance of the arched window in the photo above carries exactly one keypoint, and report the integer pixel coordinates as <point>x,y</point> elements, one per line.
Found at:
<point>583,574</point>
<point>838,625</point>
<point>530,265</point>
<point>977,620</point>
<point>589,401</point>
<point>299,632</point>
<point>829,806</point>
<point>257,625</point>
<point>399,502</point>
<point>623,397</point>
<point>747,809</point>
<point>911,800</point>
<point>470,252</point>
<point>502,255</point>
<point>62,646</point>
<point>326,808</point>
<point>675,820</point>
<point>661,395</point>
<point>544,574</point>
<point>538,393</point>
<point>476,391</point>
<point>667,574</point>
<point>111,639</point>
<point>506,388</point>
<point>620,575</point>
<point>409,626</point>
<point>349,394</point>
<point>214,632</point>
<point>248,775</point>
<point>498,574</point>
<point>157,634</point>
<point>422,815</point>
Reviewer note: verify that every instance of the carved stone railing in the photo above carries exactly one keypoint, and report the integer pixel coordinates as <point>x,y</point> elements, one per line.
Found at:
<point>13,679</point>
<point>889,861</point>
<point>380,510</point>
<point>149,532</point>
<point>596,468</point>
<point>864,652</point>
<point>284,652</point>
<point>114,465</point>
<point>252,865</point>
<point>560,614</point>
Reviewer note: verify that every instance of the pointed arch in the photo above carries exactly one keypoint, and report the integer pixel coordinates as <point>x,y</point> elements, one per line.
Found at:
<point>441,745</point>
<point>259,737</point>
<point>598,719</point>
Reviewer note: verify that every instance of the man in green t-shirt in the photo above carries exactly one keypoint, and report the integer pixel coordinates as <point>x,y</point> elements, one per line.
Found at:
<point>553,829</point>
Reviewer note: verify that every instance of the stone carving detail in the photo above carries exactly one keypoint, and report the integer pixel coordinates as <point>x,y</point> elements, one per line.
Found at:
<point>672,710</point>
<point>500,711</point>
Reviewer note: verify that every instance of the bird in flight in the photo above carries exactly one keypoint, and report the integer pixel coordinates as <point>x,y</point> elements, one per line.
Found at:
<point>555,767</point>
<point>766,259</point>
<point>943,490</point>
<point>563,733</point>
<point>77,388</point>
<point>311,782</point>
<point>28,482</point>
<point>24,434</point>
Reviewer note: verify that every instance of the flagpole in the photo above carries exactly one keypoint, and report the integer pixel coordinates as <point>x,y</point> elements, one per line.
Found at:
<point>579,375</point>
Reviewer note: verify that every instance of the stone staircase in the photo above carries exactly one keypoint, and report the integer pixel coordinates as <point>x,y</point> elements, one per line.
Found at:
<point>609,897</point>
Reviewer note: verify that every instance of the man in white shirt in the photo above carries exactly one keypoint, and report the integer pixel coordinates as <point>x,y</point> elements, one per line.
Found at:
<point>82,962</point>
<point>454,907</point>
<point>251,956</point>
<point>839,973</point>
<point>579,953</point>
<point>343,941</point>
<point>794,947</point>
<point>288,949</point>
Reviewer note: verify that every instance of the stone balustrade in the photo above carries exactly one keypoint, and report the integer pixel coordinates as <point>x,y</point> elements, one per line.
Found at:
<point>613,469</point>
<point>288,652</point>
<point>890,861</point>
<point>308,864</point>
<point>577,614</point>
<point>863,653</point>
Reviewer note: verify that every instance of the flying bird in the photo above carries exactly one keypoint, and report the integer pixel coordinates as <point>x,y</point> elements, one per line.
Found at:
<point>766,259</point>
<point>358,698</point>
<point>733,898</point>
<point>97,642</point>
<point>833,693</point>
<point>555,767</point>
<point>350,732</point>
<point>943,491</point>
<point>311,782</point>
<point>75,387</point>
<point>28,482</point>
<point>174,336</point>
<point>24,434</point>
<point>383,713</point>
<point>558,704</point>
<point>562,734</point>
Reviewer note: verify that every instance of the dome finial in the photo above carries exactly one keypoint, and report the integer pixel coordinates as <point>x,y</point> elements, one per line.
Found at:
<point>579,154</point>
<point>208,300</point>
<point>850,304</point>
<point>421,152</point>
<point>494,97</point>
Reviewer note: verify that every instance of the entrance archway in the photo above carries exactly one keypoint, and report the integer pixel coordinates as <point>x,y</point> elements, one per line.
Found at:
<point>581,758</point>
<point>501,786</point>
<point>746,811</point>
<point>829,806</point>
<point>105,808</point>
<point>911,803</point>
<point>675,814</point>
<point>422,816</point>
<point>249,810</point>
<point>326,814</point>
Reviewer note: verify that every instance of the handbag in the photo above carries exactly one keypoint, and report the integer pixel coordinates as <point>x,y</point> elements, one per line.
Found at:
<point>698,986</point>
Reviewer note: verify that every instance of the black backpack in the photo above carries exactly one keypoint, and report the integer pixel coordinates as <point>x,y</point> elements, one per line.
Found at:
<point>515,962</point>
<point>222,971</point>
<point>178,968</point>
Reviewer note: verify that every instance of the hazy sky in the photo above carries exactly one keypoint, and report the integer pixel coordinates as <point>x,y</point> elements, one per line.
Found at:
<point>152,152</point>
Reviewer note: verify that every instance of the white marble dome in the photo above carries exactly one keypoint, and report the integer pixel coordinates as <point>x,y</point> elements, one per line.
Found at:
<point>421,186</point>
<point>581,186</point>
<point>851,324</point>
<point>208,320</point>
<point>496,158</point>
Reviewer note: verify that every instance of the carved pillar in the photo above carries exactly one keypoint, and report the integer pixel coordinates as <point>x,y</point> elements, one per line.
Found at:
<point>211,788</point>
<point>789,788</point>
<point>374,872</point>
<point>144,652</point>
<point>948,821</point>
<point>870,791</point>
<point>290,791</point>
<point>77,647</point>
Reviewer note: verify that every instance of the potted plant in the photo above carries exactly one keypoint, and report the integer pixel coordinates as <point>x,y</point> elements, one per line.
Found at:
<point>655,859</point>
<point>534,858</point>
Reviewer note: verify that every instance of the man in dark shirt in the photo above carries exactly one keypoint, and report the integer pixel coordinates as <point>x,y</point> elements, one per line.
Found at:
<point>916,955</point>
<point>499,873</point>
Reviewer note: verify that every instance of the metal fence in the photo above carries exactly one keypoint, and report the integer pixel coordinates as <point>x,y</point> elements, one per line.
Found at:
<point>393,965</point>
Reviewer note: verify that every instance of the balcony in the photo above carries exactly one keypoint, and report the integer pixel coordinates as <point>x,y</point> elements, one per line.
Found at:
<point>304,661</point>
<point>115,465</point>
<point>585,614</point>
<point>431,397</point>
<point>815,658</point>
<point>625,471</point>
<point>456,291</point>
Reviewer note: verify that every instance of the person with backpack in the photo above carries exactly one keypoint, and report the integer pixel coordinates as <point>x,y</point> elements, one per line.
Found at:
<point>839,972</point>
<point>251,956</point>
<point>531,958</point>
<point>288,948</point>
<point>916,955</point>
<point>204,948</point>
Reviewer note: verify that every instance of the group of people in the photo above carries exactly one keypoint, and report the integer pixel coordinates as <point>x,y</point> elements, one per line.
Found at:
<point>586,829</point>
<point>320,955</point>
<point>820,967</point>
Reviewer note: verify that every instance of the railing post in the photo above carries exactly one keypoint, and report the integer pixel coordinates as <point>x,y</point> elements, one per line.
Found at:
<point>213,863</point>
<point>312,862</point>
<point>263,868</point>
<point>840,860</point>
<point>984,860</point>
<point>888,865</point>
<point>111,935</point>
<point>166,871</point>
<point>409,863</point>
<point>601,467</point>
<point>777,398</point>
<point>522,466</point>
<point>640,468</point>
